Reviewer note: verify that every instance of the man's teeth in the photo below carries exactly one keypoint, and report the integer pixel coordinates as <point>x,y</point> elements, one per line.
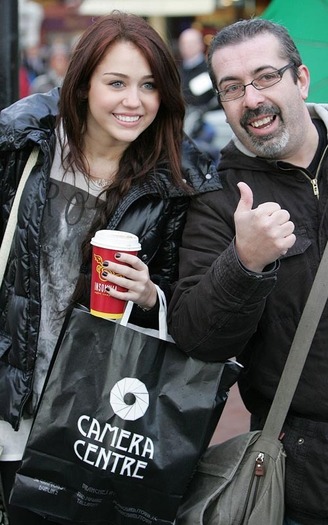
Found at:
<point>262,122</point>
<point>125,118</point>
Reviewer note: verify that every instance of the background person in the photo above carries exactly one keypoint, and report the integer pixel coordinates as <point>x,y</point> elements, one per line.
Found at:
<point>196,82</point>
<point>197,90</point>
<point>55,70</point>
<point>110,157</point>
<point>33,61</point>
<point>251,250</point>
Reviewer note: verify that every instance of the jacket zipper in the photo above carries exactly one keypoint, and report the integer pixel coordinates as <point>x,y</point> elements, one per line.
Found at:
<point>253,488</point>
<point>315,187</point>
<point>314,182</point>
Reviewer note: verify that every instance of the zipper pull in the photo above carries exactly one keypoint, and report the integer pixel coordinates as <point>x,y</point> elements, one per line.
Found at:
<point>315,187</point>
<point>259,465</point>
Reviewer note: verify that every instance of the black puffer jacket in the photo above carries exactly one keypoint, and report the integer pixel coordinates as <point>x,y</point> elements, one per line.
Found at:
<point>155,211</point>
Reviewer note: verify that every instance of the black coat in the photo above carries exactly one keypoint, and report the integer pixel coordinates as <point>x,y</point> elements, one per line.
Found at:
<point>254,316</point>
<point>155,211</point>
<point>220,310</point>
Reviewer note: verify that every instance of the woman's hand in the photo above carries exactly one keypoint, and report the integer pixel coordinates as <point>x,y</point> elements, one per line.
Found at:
<point>133,275</point>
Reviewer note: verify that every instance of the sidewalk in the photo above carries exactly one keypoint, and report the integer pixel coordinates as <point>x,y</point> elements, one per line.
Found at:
<point>234,419</point>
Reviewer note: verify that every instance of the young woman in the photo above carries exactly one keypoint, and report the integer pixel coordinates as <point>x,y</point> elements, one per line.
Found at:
<point>111,155</point>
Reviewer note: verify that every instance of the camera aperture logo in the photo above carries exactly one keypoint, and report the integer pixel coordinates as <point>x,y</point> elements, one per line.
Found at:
<point>129,398</point>
<point>108,447</point>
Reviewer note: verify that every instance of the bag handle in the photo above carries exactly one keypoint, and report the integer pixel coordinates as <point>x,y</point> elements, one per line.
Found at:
<point>12,220</point>
<point>299,350</point>
<point>162,314</point>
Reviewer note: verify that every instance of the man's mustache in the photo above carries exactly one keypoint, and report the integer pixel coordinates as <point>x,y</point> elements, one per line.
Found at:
<point>251,114</point>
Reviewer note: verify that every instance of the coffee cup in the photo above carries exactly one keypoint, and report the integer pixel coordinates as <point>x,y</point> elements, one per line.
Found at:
<point>105,244</point>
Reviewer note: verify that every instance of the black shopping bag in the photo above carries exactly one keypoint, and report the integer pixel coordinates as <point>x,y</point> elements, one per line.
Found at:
<point>122,422</point>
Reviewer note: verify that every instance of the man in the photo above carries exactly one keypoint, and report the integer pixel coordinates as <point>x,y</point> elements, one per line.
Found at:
<point>197,91</point>
<point>251,250</point>
<point>196,82</point>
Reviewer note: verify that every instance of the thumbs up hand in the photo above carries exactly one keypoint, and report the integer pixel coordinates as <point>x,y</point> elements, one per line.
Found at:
<point>263,234</point>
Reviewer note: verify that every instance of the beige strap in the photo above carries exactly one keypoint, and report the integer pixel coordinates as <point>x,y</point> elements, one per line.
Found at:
<point>12,221</point>
<point>299,350</point>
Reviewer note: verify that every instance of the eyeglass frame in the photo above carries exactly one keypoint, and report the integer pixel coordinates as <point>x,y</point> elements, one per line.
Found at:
<point>280,72</point>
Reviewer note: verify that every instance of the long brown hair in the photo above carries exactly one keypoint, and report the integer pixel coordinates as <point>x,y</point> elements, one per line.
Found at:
<point>159,143</point>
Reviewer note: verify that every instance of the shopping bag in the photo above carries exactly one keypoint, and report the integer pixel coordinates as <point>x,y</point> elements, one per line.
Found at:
<point>238,482</point>
<point>122,422</point>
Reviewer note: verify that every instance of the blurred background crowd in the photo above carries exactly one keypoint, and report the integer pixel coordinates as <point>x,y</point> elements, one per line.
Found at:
<point>48,29</point>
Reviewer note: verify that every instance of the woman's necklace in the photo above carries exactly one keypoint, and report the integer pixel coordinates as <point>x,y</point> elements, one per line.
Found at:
<point>99,183</point>
<point>98,167</point>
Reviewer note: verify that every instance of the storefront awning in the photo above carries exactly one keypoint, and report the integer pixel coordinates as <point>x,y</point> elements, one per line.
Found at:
<point>149,7</point>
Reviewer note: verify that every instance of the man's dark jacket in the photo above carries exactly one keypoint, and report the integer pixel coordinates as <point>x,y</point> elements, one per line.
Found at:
<point>219,310</point>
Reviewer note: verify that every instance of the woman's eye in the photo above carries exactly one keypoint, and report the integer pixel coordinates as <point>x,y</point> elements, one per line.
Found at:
<point>149,85</point>
<point>116,83</point>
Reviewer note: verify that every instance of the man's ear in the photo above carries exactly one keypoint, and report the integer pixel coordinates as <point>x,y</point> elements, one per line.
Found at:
<point>303,81</point>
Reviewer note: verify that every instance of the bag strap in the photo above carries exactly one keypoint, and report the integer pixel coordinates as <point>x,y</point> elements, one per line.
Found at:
<point>299,350</point>
<point>12,220</point>
<point>162,314</point>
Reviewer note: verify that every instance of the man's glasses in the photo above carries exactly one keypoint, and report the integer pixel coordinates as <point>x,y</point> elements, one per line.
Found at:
<point>264,81</point>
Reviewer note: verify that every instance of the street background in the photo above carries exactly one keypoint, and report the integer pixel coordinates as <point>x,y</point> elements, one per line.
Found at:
<point>234,420</point>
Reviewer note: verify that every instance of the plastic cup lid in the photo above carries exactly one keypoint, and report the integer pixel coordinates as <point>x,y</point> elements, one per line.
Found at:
<point>116,240</point>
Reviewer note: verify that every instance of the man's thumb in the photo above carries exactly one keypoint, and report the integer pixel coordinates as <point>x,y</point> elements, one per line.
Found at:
<point>246,197</point>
